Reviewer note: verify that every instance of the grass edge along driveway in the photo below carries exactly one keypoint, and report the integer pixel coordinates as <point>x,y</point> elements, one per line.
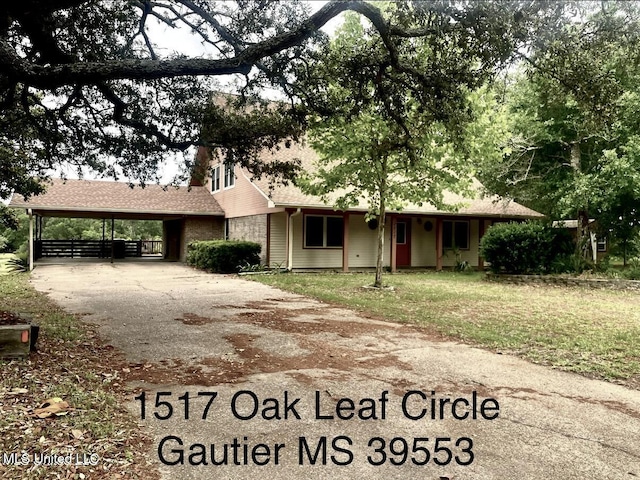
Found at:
<point>593,332</point>
<point>73,364</point>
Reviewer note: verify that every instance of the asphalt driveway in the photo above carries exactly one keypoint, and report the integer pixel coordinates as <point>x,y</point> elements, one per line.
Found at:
<point>246,381</point>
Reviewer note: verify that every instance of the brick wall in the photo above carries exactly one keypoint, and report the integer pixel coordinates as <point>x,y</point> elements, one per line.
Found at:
<point>196,228</point>
<point>252,228</point>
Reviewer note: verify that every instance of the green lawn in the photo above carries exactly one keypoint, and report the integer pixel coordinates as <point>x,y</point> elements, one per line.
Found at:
<point>593,332</point>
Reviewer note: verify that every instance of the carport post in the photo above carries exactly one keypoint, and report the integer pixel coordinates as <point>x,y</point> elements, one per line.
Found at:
<point>102,252</point>
<point>112,234</point>
<point>30,212</point>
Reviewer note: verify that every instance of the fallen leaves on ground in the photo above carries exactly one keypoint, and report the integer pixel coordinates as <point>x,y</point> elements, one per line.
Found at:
<point>51,407</point>
<point>68,399</point>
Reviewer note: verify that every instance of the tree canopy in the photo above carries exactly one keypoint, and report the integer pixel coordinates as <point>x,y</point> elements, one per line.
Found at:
<point>573,110</point>
<point>84,83</point>
<point>389,141</point>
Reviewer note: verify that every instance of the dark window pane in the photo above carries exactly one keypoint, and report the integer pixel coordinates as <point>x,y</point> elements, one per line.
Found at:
<point>447,234</point>
<point>215,179</point>
<point>462,235</point>
<point>313,231</point>
<point>334,231</point>
<point>602,245</point>
<point>229,176</point>
<point>401,233</point>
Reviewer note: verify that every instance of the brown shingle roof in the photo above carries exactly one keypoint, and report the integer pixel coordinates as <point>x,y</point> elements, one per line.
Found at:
<point>118,197</point>
<point>290,195</point>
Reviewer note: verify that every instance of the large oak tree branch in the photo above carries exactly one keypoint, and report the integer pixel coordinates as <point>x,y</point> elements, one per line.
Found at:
<point>53,76</point>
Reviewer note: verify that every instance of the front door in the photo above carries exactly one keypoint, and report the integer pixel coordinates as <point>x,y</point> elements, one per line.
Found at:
<point>403,243</point>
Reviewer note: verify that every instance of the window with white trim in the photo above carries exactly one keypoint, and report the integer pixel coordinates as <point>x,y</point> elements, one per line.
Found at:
<point>229,176</point>
<point>601,245</point>
<point>215,178</point>
<point>323,231</point>
<point>455,234</point>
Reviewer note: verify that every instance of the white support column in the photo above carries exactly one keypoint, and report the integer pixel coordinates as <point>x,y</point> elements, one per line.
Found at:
<point>30,212</point>
<point>290,239</point>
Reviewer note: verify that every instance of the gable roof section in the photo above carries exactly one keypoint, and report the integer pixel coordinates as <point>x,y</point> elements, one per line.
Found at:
<point>292,196</point>
<point>117,197</point>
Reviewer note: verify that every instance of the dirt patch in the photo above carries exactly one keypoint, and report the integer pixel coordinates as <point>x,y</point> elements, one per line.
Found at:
<point>248,359</point>
<point>193,319</point>
<point>284,320</point>
<point>315,331</point>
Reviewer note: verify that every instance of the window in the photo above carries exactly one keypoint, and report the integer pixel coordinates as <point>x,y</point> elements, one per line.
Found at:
<point>401,233</point>
<point>323,231</point>
<point>215,179</point>
<point>455,234</point>
<point>229,176</point>
<point>602,245</point>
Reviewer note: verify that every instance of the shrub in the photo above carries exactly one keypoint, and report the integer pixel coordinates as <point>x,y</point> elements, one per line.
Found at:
<point>528,247</point>
<point>5,246</point>
<point>223,256</point>
<point>631,273</point>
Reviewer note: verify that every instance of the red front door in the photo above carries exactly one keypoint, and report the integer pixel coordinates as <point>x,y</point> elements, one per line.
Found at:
<point>403,243</point>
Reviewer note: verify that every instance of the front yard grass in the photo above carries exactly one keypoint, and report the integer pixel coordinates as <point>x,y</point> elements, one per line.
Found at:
<point>4,262</point>
<point>594,332</point>
<point>72,364</point>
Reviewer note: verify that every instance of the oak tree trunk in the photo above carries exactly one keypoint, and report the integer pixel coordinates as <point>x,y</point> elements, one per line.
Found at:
<point>382,206</point>
<point>583,232</point>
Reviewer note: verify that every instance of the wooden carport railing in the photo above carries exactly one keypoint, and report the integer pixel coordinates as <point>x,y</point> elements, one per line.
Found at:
<point>96,248</point>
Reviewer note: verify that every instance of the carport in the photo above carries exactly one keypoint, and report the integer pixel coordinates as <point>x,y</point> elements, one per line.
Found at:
<point>187,214</point>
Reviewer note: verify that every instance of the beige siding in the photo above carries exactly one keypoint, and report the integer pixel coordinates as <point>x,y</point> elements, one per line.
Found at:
<point>363,243</point>
<point>471,255</point>
<point>423,243</point>
<point>278,240</point>
<point>312,257</point>
<point>362,246</point>
<point>243,199</point>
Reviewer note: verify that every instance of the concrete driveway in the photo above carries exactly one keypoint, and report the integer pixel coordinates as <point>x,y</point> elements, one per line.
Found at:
<point>293,388</point>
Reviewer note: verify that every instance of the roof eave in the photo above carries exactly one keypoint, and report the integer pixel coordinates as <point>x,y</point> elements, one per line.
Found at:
<point>116,210</point>
<point>412,212</point>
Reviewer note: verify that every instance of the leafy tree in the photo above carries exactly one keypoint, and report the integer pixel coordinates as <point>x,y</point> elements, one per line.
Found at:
<point>616,187</point>
<point>574,112</point>
<point>84,83</point>
<point>91,229</point>
<point>389,142</point>
<point>17,233</point>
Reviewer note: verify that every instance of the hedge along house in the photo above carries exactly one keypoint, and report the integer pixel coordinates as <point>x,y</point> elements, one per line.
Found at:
<point>187,214</point>
<point>299,231</point>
